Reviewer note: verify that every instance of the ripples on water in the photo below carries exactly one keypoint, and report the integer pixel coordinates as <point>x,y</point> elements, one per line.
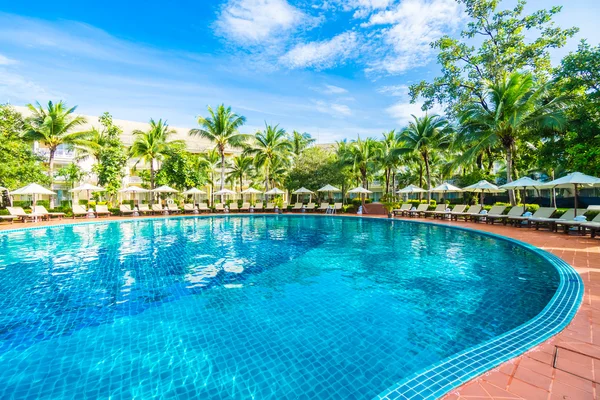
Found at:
<point>241,307</point>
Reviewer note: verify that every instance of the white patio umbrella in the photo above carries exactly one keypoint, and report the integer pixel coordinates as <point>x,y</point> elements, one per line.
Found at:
<point>573,180</point>
<point>482,187</point>
<point>304,190</point>
<point>32,189</point>
<point>164,189</point>
<point>330,189</point>
<point>193,191</point>
<point>87,187</point>
<point>522,183</point>
<point>446,188</point>
<point>135,190</point>
<point>251,191</point>
<point>411,189</point>
<point>362,191</point>
<point>274,191</point>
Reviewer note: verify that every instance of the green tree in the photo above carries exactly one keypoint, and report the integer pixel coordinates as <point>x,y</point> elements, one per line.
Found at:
<point>300,141</point>
<point>241,166</point>
<point>268,147</point>
<point>221,128</point>
<point>53,126</point>
<point>364,155</point>
<point>212,163</point>
<point>19,165</point>
<point>112,157</point>
<point>313,169</point>
<point>180,169</point>
<point>508,41</point>
<point>427,136</point>
<point>153,145</point>
<point>515,105</point>
<point>390,157</point>
<point>72,173</point>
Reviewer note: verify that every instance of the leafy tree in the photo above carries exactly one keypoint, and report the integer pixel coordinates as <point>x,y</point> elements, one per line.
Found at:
<point>508,41</point>
<point>153,145</point>
<point>212,162</point>
<point>19,165</point>
<point>427,136</point>
<point>53,126</point>
<point>72,173</point>
<point>364,155</point>
<point>112,157</point>
<point>300,141</point>
<point>313,169</point>
<point>221,128</point>
<point>180,169</point>
<point>515,105</point>
<point>390,158</point>
<point>268,147</point>
<point>241,166</point>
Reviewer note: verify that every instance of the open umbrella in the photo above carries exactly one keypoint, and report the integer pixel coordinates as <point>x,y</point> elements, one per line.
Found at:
<point>251,191</point>
<point>445,188</point>
<point>304,190</point>
<point>362,191</point>
<point>32,189</point>
<point>482,187</point>
<point>87,187</point>
<point>330,189</point>
<point>522,183</point>
<point>135,190</point>
<point>411,189</point>
<point>573,180</point>
<point>193,191</point>
<point>163,189</point>
<point>223,192</point>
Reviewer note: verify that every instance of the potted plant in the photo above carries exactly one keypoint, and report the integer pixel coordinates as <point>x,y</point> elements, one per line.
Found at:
<point>390,206</point>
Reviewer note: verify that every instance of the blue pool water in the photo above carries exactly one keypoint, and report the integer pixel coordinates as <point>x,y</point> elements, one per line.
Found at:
<point>251,307</point>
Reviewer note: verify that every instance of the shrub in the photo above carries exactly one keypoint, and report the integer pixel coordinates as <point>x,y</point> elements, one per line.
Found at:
<point>356,202</point>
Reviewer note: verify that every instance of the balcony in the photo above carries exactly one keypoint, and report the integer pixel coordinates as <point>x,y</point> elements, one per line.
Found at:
<point>132,180</point>
<point>59,154</point>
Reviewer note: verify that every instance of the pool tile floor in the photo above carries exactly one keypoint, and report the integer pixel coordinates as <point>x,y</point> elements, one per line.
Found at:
<point>565,367</point>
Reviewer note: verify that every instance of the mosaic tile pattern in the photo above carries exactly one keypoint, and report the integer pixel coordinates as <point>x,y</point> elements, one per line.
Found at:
<point>251,307</point>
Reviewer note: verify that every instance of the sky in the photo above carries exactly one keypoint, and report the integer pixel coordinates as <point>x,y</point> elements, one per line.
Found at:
<point>333,68</point>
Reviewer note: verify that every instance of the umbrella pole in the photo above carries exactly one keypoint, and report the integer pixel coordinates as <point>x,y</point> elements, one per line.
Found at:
<point>524,200</point>
<point>575,198</point>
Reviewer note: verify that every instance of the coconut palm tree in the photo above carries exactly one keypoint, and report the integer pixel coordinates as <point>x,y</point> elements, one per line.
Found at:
<point>300,141</point>
<point>212,162</point>
<point>364,155</point>
<point>266,146</point>
<point>153,145</point>
<point>513,106</point>
<point>221,128</point>
<point>241,166</point>
<point>390,150</point>
<point>426,136</point>
<point>53,126</point>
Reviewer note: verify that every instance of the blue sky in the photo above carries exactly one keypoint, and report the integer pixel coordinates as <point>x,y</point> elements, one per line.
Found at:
<point>334,68</point>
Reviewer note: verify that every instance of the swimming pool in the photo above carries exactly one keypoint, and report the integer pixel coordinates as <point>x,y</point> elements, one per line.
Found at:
<point>253,306</point>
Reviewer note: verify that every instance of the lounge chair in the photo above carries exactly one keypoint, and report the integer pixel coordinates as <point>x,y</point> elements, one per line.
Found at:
<point>102,209</point>
<point>79,210</point>
<point>542,212</point>
<point>323,207</point>
<point>173,208</point>
<point>125,209</point>
<point>337,207</point>
<point>219,207</point>
<point>439,208</point>
<point>245,207</point>
<point>188,208</point>
<point>593,226</point>
<point>418,211</point>
<point>403,208</point>
<point>42,210</point>
<point>297,207</point>
<point>284,206</point>
<point>310,207</point>
<point>258,206</point>
<point>495,210</point>
<point>580,225</point>
<point>459,208</point>
<point>157,208</point>
<point>473,210</point>
<point>22,215</point>
<point>203,207</point>
<point>144,209</point>
<point>516,211</point>
<point>9,218</point>
<point>270,207</point>
<point>537,222</point>
<point>233,206</point>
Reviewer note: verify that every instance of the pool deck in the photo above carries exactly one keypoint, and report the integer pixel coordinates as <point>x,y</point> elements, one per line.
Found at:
<point>565,367</point>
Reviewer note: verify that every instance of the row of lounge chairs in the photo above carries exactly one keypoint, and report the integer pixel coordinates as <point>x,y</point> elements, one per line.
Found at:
<point>516,216</point>
<point>324,207</point>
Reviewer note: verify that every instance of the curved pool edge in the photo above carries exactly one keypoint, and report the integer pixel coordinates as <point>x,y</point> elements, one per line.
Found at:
<point>452,372</point>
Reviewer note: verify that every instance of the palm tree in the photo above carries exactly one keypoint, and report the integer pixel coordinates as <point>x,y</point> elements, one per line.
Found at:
<point>364,154</point>
<point>240,168</point>
<point>390,151</point>
<point>300,141</point>
<point>514,106</point>
<point>53,126</point>
<point>212,161</point>
<point>426,136</point>
<point>221,128</point>
<point>153,145</point>
<point>267,146</point>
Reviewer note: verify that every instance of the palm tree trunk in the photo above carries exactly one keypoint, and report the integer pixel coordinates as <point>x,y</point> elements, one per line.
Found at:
<point>51,173</point>
<point>426,160</point>
<point>222,175</point>
<point>152,179</point>
<point>509,166</point>
<point>266,179</point>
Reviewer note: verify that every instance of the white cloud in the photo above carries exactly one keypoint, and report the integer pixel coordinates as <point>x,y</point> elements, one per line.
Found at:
<point>323,54</point>
<point>333,109</point>
<point>402,111</point>
<point>6,61</point>
<point>15,88</point>
<point>409,29</point>
<point>329,89</point>
<point>256,21</point>
<point>394,90</point>
<point>361,8</point>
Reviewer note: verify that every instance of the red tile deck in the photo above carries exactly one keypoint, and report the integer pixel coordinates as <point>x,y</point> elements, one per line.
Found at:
<point>539,373</point>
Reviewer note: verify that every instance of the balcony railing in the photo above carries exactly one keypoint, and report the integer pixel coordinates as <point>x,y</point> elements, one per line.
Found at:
<point>132,180</point>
